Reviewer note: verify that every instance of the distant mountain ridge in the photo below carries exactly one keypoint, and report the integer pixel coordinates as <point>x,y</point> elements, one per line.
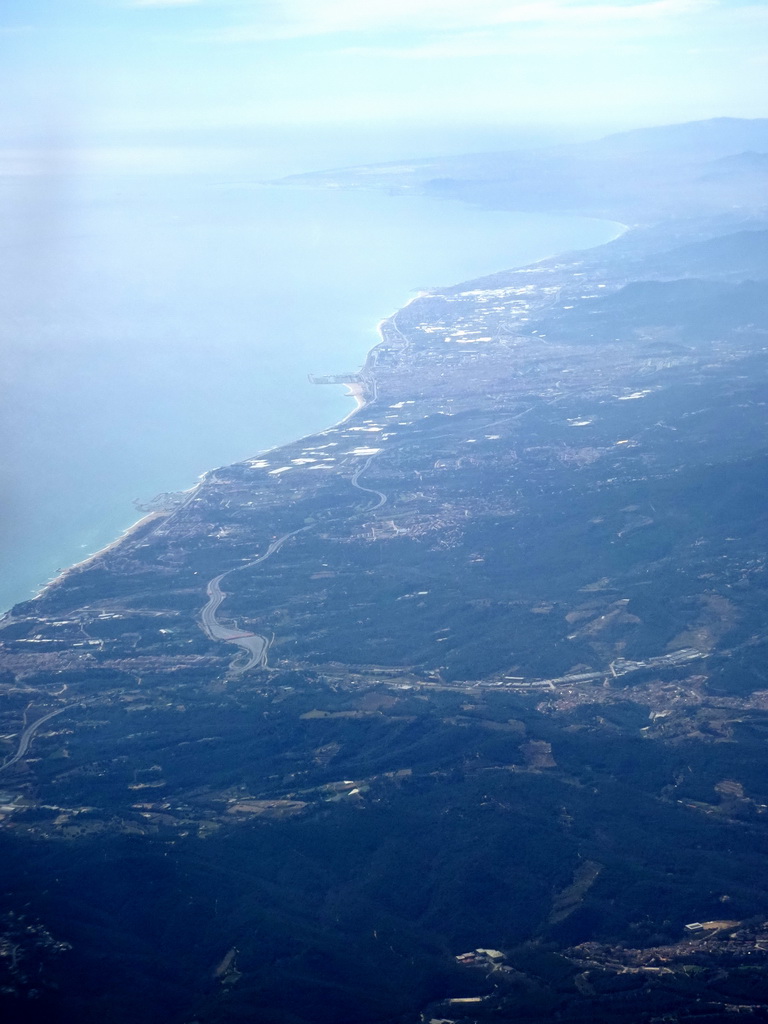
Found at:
<point>641,176</point>
<point>709,139</point>
<point>741,255</point>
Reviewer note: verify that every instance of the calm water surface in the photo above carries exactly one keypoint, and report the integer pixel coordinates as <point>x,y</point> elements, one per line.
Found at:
<point>156,327</point>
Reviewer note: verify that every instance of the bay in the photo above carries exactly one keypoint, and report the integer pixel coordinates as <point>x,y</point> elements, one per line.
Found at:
<point>156,326</point>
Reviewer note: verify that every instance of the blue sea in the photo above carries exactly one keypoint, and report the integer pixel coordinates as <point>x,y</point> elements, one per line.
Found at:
<point>154,326</point>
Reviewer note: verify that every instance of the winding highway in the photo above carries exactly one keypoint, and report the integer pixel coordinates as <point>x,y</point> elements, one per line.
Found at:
<point>255,645</point>
<point>29,734</point>
<point>369,490</point>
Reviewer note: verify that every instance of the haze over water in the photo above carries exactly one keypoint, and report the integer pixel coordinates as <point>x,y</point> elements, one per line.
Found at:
<point>156,326</point>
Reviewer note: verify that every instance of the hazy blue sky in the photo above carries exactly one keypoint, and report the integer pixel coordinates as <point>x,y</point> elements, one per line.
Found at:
<point>74,68</point>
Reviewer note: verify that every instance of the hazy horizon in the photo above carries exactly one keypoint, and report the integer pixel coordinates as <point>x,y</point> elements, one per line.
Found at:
<point>152,84</point>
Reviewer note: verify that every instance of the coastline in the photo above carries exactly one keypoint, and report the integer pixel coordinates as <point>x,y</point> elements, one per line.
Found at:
<point>355,391</point>
<point>125,535</point>
<point>360,392</point>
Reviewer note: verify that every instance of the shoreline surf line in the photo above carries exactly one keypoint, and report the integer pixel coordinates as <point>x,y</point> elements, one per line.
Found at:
<point>126,534</point>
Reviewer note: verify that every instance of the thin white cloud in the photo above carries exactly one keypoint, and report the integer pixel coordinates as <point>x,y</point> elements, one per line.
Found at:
<point>555,43</point>
<point>293,19</point>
